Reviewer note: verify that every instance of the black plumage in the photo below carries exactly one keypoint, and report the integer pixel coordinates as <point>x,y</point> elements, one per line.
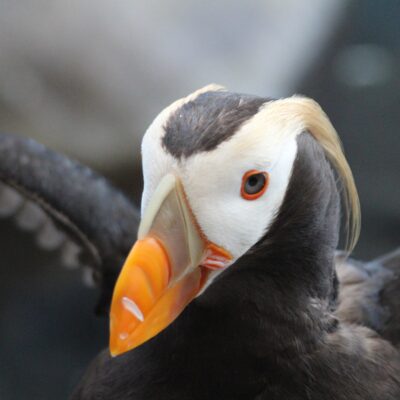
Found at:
<point>267,328</point>
<point>211,118</point>
<point>272,326</point>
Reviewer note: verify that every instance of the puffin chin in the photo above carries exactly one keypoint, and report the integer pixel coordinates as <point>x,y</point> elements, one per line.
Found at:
<point>170,264</point>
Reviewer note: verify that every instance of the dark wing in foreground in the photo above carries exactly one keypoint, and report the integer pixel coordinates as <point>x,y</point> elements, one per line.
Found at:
<point>369,294</point>
<point>68,207</point>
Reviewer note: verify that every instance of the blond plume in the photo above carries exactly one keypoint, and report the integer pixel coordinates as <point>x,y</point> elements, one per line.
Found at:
<point>304,114</point>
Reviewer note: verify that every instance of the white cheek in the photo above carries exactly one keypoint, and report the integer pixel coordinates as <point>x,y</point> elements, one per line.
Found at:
<point>231,221</point>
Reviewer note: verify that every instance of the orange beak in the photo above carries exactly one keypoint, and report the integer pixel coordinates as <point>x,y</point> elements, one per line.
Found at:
<point>165,270</point>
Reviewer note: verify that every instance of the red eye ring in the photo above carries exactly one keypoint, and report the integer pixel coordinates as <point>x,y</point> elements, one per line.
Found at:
<point>254,184</point>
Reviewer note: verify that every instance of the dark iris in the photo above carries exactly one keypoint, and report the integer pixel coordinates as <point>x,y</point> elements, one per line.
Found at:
<point>254,183</point>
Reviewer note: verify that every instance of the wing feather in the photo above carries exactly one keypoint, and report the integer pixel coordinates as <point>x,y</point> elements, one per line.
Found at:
<point>68,207</point>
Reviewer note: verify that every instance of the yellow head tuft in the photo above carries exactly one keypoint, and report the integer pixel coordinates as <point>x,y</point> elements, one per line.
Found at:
<point>304,114</point>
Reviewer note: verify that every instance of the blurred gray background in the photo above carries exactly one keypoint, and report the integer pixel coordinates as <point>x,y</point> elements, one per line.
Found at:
<point>86,78</point>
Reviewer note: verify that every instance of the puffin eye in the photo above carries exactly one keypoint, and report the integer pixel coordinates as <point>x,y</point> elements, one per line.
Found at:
<point>254,184</point>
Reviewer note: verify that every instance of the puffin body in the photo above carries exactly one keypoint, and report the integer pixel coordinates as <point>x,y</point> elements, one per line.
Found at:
<point>234,289</point>
<point>269,326</point>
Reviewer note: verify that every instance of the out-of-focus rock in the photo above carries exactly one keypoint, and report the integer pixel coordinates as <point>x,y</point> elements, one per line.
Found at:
<point>87,77</point>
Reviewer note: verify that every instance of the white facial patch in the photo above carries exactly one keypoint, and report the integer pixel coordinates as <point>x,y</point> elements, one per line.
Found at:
<point>212,179</point>
<point>213,182</point>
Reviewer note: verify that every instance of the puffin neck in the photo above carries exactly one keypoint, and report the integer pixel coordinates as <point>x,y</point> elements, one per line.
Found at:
<point>286,285</point>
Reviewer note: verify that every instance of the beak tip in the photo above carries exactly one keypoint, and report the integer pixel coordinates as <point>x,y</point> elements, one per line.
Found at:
<point>116,350</point>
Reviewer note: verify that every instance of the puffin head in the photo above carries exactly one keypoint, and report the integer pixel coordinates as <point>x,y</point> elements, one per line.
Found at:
<point>216,166</point>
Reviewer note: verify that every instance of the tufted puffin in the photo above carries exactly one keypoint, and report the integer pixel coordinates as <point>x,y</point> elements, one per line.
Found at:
<point>234,288</point>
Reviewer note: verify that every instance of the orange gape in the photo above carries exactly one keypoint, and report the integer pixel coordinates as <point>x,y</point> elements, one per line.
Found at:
<point>144,303</point>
